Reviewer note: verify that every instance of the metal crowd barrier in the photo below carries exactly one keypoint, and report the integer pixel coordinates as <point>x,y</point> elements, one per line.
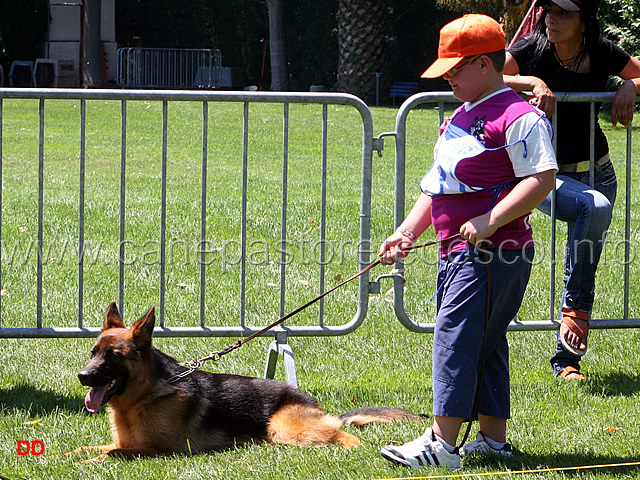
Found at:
<point>248,101</point>
<point>440,99</point>
<point>169,68</point>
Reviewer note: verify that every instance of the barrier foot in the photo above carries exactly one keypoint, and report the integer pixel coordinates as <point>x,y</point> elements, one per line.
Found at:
<point>281,348</point>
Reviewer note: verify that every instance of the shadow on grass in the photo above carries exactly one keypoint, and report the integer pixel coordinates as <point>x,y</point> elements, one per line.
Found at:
<point>614,384</point>
<point>85,456</point>
<point>565,463</point>
<point>37,401</point>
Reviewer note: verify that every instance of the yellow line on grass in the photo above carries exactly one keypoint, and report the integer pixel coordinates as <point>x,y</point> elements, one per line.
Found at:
<point>513,472</point>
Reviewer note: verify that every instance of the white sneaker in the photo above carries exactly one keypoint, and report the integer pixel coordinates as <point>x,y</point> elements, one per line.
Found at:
<point>424,451</point>
<point>480,446</point>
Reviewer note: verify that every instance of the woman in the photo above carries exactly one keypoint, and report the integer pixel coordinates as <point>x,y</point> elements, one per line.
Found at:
<point>566,53</point>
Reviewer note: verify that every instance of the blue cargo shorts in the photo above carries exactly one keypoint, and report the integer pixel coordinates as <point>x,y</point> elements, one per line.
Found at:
<point>460,329</point>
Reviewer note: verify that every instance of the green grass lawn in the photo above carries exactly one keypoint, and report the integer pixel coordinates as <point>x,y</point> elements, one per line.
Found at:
<point>554,423</point>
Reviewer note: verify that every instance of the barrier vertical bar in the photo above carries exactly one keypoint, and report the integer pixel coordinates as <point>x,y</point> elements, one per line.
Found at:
<point>283,223</point>
<point>399,171</point>
<point>1,138</point>
<point>323,215</point>
<point>83,137</point>
<point>40,211</point>
<point>165,59</point>
<point>592,144</point>
<point>123,165</point>
<point>366,182</point>
<point>163,209</point>
<point>243,217</point>
<point>150,69</point>
<point>627,224</point>
<point>552,253</point>
<point>174,57</point>
<point>203,208</point>
<point>138,71</point>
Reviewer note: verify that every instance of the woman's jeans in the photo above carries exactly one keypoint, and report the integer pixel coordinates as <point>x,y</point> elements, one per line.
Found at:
<point>587,212</point>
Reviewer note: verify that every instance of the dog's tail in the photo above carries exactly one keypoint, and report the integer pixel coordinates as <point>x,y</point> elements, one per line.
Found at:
<point>364,416</point>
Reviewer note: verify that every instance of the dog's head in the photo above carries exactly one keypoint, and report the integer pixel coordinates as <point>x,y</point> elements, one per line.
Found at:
<point>115,356</point>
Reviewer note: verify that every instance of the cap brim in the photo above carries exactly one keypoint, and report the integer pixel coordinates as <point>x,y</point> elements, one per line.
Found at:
<point>440,67</point>
<point>564,4</point>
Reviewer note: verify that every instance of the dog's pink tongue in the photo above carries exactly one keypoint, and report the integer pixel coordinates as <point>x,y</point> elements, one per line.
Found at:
<point>93,400</point>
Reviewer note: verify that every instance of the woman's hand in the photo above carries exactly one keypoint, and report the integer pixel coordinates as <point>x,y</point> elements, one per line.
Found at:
<point>625,98</point>
<point>546,100</point>
<point>623,104</point>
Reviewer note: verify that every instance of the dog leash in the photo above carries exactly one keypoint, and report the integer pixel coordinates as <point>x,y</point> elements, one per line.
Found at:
<point>194,365</point>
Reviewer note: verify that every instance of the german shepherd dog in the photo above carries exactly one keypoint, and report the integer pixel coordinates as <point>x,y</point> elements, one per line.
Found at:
<point>154,412</point>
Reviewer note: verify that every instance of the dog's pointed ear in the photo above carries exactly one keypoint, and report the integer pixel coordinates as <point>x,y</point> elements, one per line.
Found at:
<point>142,330</point>
<point>112,318</point>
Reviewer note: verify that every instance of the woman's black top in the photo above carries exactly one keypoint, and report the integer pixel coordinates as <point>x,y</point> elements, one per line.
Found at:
<point>573,118</point>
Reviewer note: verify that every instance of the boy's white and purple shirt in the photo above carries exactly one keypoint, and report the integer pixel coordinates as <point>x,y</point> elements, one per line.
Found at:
<point>484,149</point>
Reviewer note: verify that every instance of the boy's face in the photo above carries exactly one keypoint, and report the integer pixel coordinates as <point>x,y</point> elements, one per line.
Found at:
<point>468,79</point>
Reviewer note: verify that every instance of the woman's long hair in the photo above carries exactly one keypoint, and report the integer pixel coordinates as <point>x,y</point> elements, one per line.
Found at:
<point>541,44</point>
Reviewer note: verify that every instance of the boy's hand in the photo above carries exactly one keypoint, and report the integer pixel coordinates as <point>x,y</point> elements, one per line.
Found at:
<point>524,197</point>
<point>477,229</point>
<point>392,250</point>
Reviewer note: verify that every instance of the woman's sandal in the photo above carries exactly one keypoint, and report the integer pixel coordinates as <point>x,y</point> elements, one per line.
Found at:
<point>568,316</point>
<point>571,373</point>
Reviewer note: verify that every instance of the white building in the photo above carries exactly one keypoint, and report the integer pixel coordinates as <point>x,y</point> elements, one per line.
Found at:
<point>65,36</point>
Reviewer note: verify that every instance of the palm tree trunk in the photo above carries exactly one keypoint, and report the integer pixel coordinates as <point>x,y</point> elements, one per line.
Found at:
<point>277,46</point>
<point>364,53</point>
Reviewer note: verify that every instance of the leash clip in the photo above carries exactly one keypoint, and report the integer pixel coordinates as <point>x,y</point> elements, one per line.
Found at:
<point>192,365</point>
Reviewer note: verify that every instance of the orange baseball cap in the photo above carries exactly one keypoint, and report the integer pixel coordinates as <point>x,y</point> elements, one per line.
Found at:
<point>471,34</point>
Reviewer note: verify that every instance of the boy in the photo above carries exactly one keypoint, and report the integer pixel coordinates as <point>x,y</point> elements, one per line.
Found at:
<point>493,164</point>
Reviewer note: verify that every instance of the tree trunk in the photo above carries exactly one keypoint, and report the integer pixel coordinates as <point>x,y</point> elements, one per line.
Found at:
<point>362,29</point>
<point>91,48</point>
<point>277,46</point>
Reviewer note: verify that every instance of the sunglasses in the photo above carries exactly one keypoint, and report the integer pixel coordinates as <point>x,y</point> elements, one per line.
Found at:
<point>464,63</point>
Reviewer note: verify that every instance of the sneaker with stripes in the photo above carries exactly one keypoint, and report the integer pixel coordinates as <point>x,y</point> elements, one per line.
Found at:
<point>424,451</point>
<point>482,445</point>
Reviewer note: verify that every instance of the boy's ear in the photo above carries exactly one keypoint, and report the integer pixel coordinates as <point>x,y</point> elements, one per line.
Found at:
<point>485,62</point>
<point>142,330</point>
<point>112,318</point>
